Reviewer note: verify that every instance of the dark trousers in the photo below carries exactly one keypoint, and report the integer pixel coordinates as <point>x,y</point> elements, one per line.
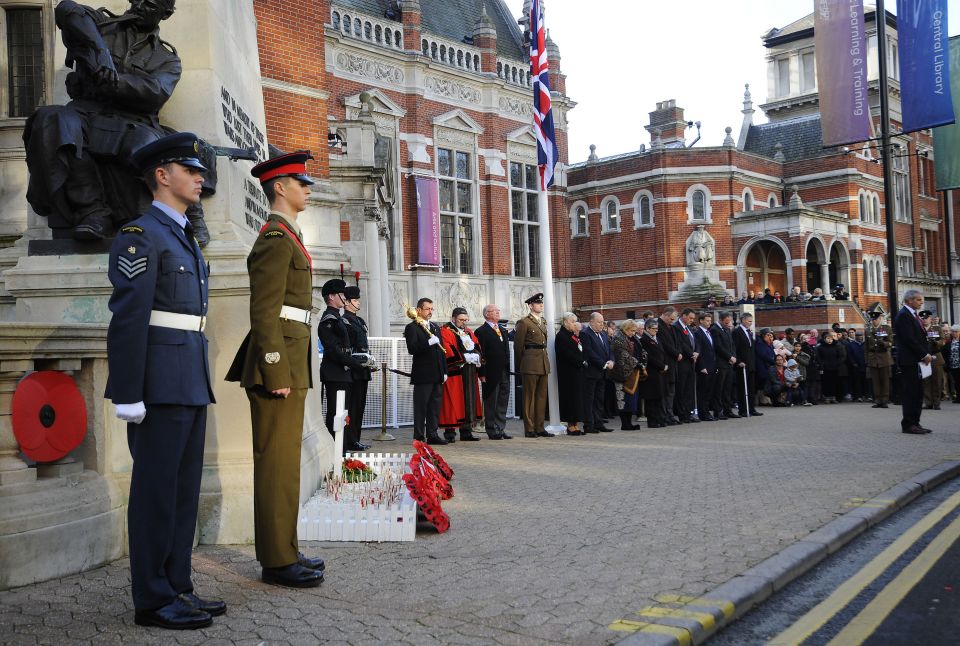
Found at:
<point>356,406</point>
<point>654,409</point>
<point>684,402</point>
<point>593,395</point>
<point>746,390</point>
<point>721,400</point>
<point>277,433</point>
<point>832,386</point>
<point>706,385</point>
<point>669,391</point>
<point>330,390</point>
<point>911,394</point>
<point>426,409</point>
<point>495,400</point>
<point>857,381</point>
<point>167,451</point>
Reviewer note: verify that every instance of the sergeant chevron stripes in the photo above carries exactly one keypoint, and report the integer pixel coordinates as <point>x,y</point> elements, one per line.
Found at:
<point>131,268</point>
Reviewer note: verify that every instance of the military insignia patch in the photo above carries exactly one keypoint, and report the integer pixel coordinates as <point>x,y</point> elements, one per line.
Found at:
<point>131,249</point>
<point>272,358</point>
<point>131,268</point>
<point>131,229</point>
<point>273,234</point>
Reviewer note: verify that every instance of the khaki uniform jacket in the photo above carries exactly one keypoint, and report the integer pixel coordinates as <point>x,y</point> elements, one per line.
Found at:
<point>878,347</point>
<point>531,330</point>
<point>276,353</point>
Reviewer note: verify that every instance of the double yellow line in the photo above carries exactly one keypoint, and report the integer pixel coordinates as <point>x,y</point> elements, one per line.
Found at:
<point>870,618</point>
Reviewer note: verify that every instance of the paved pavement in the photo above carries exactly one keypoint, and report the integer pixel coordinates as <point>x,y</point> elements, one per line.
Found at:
<point>551,540</point>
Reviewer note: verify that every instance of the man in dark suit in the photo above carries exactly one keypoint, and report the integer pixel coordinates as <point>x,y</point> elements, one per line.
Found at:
<point>706,367</point>
<point>686,367</point>
<point>494,373</point>
<point>159,381</point>
<point>667,340</point>
<point>744,342</point>
<point>910,339</point>
<point>428,373</point>
<point>599,357</point>
<point>723,393</point>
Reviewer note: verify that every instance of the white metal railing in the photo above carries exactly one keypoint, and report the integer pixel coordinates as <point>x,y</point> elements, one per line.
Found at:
<point>378,31</point>
<point>453,54</point>
<point>514,72</point>
<point>399,391</point>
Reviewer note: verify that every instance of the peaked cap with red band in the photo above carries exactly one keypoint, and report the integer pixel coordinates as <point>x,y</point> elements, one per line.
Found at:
<point>290,165</point>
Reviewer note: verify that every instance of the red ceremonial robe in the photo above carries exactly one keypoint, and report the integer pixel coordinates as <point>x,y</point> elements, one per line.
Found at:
<point>453,411</point>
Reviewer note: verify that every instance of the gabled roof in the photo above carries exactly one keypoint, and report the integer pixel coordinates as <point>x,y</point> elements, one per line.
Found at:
<point>801,138</point>
<point>454,19</point>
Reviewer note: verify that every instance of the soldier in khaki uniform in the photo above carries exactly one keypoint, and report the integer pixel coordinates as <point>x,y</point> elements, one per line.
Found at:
<point>531,361</point>
<point>879,339</point>
<point>273,365</point>
<point>933,387</point>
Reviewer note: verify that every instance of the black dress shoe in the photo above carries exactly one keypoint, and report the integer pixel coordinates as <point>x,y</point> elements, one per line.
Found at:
<point>311,563</point>
<point>213,607</point>
<point>544,434</point>
<point>722,417</point>
<point>884,405</point>
<point>731,415</point>
<point>707,418</point>
<point>176,615</point>
<point>469,437</point>
<point>574,431</point>
<point>924,429</point>
<point>691,420</point>
<point>495,436</point>
<point>450,437</point>
<point>756,413</point>
<point>915,430</point>
<point>603,429</point>
<point>363,446</point>
<point>436,440</point>
<point>504,436</point>
<point>292,576</point>
<point>525,434</point>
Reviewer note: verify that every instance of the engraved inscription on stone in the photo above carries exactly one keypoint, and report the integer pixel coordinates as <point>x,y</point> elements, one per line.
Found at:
<point>238,127</point>
<point>255,205</point>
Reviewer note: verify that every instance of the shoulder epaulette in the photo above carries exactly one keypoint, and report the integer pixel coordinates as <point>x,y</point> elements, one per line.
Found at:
<point>327,316</point>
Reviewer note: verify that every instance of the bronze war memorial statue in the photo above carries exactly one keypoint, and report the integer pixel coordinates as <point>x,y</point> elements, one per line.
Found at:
<point>78,154</point>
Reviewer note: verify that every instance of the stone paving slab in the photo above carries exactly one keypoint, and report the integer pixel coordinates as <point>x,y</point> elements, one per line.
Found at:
<point>551,540</point>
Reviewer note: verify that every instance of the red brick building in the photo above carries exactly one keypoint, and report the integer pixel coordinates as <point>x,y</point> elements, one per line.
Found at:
<point>777,209</point>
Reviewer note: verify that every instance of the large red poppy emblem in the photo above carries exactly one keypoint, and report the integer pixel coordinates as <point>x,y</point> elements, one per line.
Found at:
<point>49,416</point>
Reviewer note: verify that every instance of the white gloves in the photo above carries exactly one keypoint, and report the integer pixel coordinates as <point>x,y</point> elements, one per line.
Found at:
<point>366,360</point>
<point>468,343</point>
<point>608,365</point>
<point>434,340</point>
<point>445,379</point>
<point>133,413</point>
<point>472,357</point>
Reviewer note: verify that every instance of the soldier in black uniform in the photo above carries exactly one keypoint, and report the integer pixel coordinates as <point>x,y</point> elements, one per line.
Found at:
<point>336,370</point>
<point>357,328</point>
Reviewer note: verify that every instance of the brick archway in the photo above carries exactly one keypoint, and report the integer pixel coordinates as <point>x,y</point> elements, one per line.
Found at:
<point>765,262</point>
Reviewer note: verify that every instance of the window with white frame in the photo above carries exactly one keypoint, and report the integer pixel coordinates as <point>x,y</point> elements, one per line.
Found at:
<point>578,221</point>
<point>457,210</point>
<point>23,45</point>
<point>611,215</point>
<point>878,278</point>
<point>808,72</point>
<point>876,209</point>
<point>747,199</point>
<point>905,263</point>
<point>783,76</point>
<point>864,211</point>
<point>524,222</point>
<point>901,187</point>
<point>772,201</point>
<point>893,60</point>
<point>872,275</point>
<point>698,204</point>
<point>643,210</point>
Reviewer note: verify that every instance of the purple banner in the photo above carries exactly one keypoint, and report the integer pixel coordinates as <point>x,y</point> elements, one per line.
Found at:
<point>428,221</point>
<point>841,46</point>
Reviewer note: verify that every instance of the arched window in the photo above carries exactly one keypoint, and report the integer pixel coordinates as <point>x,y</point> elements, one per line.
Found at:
<point>698,205</point>
<point>433,51</point>
<point>347,24</point>
<point>643,209</point>
<point>460,58</point>
<point>476,62</point>
<point>876,209</point>
<point>499,69</point>
<point>357,27</point>
<point>579,223</point>
<point>425,46</point>
<point>611,215</point>
<point>443,53</point>
<point>864,208</point>
<point>368,31</point>
<point>772,201</point>
<point>747,199</point>
<point>336,20</point>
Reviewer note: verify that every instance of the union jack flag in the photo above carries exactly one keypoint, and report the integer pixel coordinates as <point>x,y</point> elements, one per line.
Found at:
<point>547,156</point>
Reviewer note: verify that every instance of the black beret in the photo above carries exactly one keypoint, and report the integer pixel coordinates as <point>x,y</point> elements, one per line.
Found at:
<point>333,286</point>
<point>182,147</point>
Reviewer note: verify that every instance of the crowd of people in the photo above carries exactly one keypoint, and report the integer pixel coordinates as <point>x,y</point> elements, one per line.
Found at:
<point>769,296</point>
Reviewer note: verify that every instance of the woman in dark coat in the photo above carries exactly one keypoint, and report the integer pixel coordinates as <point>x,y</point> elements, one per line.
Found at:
<point>766,358</point>
<point>831,355</point>
<point>627,356</point>
<point>570,365</point>
<point>651,389</point>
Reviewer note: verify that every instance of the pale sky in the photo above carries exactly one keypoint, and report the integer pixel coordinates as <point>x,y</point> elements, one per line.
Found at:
<point>622,56</point>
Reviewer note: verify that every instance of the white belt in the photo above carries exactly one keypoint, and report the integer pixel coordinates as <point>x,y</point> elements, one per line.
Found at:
<point>176,321</point>
<point>295,314</point>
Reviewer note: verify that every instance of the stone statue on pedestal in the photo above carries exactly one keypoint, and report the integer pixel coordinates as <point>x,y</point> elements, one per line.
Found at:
<point>78,154</point>
<point>701,249</point>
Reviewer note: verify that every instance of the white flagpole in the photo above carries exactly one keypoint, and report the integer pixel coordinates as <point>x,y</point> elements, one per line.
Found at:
<point>549,311</point>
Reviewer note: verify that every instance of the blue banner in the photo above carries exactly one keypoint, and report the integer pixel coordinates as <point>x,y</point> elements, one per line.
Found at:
<point>924,64</point>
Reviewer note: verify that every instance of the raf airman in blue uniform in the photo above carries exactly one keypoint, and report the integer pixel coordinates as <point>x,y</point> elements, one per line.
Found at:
<point>160,382</point>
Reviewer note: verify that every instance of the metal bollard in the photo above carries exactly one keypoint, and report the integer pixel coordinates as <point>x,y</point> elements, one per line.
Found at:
<point>384,436</point>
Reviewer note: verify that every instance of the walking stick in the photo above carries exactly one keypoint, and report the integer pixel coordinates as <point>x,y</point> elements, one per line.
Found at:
<point>746,392</point>
<point>384,436</point>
